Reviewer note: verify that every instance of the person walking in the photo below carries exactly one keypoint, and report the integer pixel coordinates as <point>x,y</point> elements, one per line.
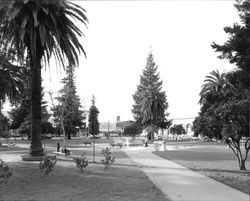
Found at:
<point>146,141</point>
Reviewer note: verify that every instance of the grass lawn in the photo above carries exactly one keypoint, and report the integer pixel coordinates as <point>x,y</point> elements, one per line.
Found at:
<point>123,181</point>
<point>212,160</point>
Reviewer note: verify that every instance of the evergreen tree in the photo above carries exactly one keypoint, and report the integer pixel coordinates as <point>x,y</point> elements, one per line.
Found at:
<point>93,119</point>
<point>150,101</point>
<point>4,126</point>
<point>68,111</point>
<point>21,113</point>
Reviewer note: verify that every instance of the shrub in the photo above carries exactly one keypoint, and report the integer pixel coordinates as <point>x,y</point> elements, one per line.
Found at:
<point>5,172</point>
<point>108,159</point>
<point>81,162</point>
<point>47,164</point>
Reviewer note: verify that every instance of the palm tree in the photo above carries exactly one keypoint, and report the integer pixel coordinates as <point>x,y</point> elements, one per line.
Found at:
<point>38,29</point>
<point>214,82</point>
<point>11,82</point>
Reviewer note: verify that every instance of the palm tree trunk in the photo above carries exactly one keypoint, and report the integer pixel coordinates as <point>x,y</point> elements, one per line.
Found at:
<point>36,148</point>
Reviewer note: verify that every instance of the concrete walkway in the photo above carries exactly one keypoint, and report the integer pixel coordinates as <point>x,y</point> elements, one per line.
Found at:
<point>179,183</point>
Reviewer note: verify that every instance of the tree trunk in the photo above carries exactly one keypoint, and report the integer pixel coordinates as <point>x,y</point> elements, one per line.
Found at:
<point>36,148</point>
<point>242,164</point>
<point>235,146</point>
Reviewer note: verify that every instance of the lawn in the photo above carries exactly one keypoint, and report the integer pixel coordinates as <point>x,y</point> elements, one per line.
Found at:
<point>122,181</point>
<point>212,160</point>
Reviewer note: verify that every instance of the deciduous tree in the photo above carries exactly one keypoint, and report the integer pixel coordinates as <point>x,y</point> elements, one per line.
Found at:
<point>230,105</point>
<point>177,129</point>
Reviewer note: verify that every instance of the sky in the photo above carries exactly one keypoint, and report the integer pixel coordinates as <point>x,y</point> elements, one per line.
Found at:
<point>118,39</point>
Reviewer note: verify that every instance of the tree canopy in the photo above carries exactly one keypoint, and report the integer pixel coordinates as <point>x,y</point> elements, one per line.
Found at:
<point>11,76</point>
<point>177,129</point>
<point>225,98</point>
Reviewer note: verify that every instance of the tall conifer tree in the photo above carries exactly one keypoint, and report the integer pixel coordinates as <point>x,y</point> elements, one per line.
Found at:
<point>68,109</point>
<point>150,101</point>
<point>93,119</point>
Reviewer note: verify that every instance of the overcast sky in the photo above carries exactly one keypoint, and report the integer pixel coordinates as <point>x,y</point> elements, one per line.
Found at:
<point>117,43</point>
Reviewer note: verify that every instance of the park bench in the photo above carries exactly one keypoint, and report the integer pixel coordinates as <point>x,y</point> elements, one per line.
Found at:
<point>68,153</point>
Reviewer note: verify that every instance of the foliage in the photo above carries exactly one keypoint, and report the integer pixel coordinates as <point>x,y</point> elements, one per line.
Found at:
<point>11,78</point>
<point>5,172</point>
<point>225,105</point>
<point>214,82</point>
<point>47,127</point>
<point>236,49</point>
<point>21,114</point>
<point>4,125</point>
<point>93,119</point>
<point>68,111</point>
<point>81,162</point>
<point>150,101</point>
<point>47,164</point>
<point>177,129</point>
<point>108,159</point>
<point>235,120</point>
<point>132,129</point>
<point>37,30</point>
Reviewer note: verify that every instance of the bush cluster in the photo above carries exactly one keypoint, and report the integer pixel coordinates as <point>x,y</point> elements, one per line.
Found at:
<point>47,164</point>
<point>108,159</point>
<point>81,162</point>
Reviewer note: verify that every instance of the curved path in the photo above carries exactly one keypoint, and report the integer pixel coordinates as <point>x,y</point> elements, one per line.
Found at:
<point>179,183</point>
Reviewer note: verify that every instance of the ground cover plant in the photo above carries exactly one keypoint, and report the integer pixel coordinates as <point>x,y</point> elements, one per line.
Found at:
<point>213,160</point>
